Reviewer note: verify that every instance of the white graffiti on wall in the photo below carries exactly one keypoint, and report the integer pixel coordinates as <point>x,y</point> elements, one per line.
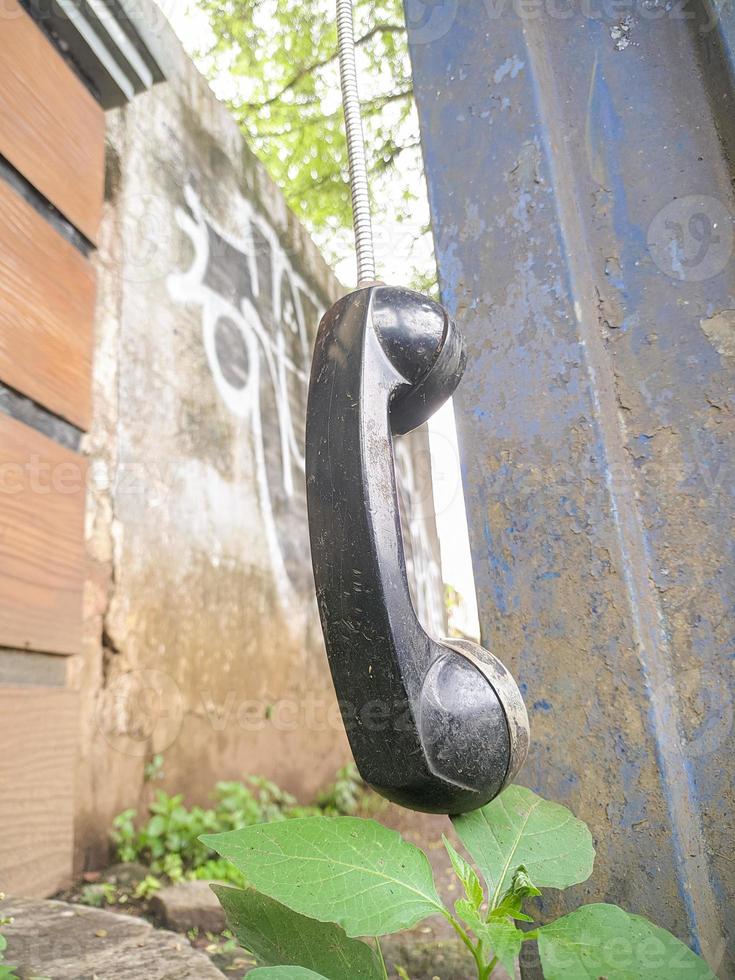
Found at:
<point>254,331</point>
<point>256,312</point>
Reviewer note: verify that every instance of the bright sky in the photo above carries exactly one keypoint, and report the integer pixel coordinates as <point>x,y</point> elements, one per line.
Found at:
<point>400,248</point>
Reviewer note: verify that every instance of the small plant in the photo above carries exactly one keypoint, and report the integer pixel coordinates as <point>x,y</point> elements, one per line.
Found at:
<point>168,842</point>
<point>171,828</point>
<point>147,887</point>
<point>317,884</point>
<point>99,894</point>
<point>343,796</point>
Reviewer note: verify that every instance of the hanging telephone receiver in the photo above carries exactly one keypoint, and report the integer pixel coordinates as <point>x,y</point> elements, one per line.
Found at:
<point>434,726</point>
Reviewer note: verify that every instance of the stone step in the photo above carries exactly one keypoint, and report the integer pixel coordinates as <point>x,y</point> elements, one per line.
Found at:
<point>189,905</point>
<point>71,942</point>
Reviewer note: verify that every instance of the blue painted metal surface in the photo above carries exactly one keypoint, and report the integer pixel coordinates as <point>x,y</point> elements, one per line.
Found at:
<point>581,197</point>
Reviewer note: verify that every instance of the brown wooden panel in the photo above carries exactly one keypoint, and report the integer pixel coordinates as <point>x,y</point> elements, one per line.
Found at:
<point>38,734</point>
<point>46,312</point>
<point>51,129</point>
<point>42,491</point>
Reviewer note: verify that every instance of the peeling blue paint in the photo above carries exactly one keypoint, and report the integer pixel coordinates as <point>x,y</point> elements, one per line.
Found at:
<point>600,475</point>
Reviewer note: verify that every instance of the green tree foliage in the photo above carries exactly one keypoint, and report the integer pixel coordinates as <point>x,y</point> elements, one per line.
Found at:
<point>280,60</point>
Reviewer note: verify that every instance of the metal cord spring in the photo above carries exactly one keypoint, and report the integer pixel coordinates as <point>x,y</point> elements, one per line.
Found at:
<point>355,145</point>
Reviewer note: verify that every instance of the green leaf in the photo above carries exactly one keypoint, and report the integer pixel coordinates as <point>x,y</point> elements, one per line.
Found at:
<point>522,886</point>
<point>468,912</point>
<point>512,902</point>
<point>284,973</point>
<point>278,936</point>
<point>521,828</point>
<point>604,941</point>
<point>338,869</point>
<point>466,874</point>
<point>502,937</point>
<point>498,934</point>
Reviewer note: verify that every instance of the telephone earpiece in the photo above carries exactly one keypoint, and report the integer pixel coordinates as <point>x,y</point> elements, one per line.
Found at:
<point>434,726</point>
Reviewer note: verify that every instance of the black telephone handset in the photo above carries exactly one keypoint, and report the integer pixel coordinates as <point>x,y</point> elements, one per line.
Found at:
<point>434,726</point>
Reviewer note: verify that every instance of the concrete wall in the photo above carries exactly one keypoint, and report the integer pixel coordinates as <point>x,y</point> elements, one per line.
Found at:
<point>202,638</point>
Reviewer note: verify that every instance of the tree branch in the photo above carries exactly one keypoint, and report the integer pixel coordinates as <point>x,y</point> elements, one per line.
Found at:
<point>336,176</point>
<point>322,63</point>
<point>370,108</point>
<point>386,159</point>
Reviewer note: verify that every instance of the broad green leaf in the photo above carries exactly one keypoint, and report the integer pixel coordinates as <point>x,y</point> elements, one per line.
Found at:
<point>521,828</point>
<point>278,936</point>
<point>466,874</point>
<point>604,941</point>
<point>337,869</point>
<point>284,973</point>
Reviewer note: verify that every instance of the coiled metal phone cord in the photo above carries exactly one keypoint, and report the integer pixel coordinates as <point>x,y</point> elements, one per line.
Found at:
<point>359,189</point>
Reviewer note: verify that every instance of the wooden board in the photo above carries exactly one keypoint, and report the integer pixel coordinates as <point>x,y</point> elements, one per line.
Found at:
<point>46,312</point>
<point>51,129</point>
<point>38,734</point>
<point>42,556</point>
